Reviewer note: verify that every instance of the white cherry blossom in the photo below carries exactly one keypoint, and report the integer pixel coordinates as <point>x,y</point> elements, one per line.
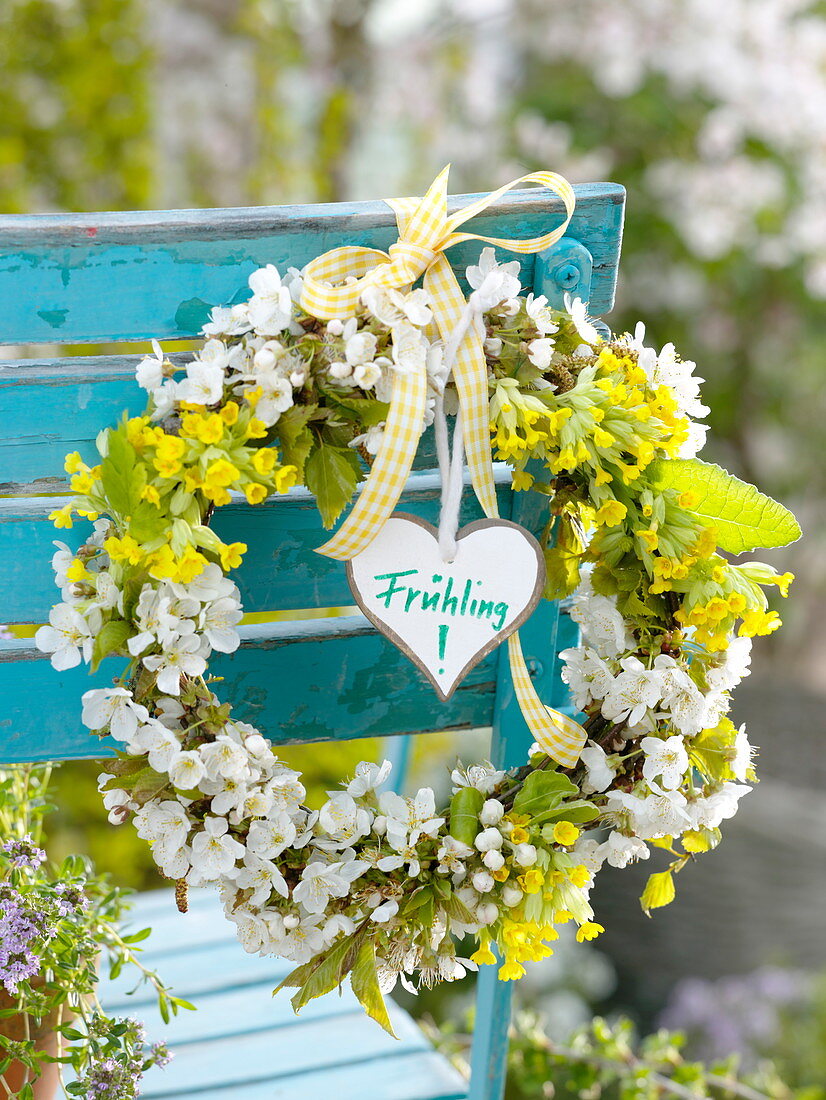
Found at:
<point>271,307</point>
<point>113,709</point>
<point>67,637</point>
<point>665,759</point>
<point>214,851</point>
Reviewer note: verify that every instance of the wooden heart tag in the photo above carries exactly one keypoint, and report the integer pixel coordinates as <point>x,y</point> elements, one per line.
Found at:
<point>447,616</point>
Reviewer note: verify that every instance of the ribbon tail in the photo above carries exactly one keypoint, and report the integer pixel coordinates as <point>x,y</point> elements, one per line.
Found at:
<point>471,377</point>
<point>390,471</point>
<point>559,736</point>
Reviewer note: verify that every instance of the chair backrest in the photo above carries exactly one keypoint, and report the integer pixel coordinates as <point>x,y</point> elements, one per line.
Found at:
<point>73,279</point>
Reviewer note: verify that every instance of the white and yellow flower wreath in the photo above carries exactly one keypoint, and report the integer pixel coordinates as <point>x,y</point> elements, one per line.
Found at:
<point>286,392</point>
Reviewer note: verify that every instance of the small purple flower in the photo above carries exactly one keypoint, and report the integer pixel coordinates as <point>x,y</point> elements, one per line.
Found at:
<point>23,853</point>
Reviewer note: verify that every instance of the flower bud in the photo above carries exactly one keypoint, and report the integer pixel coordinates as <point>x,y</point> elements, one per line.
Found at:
<point>524,855</point>
<point>487,912</point>
<point>483,882</point>
<point>492,812</point>
<point>511,896</point>
<point>493,860</point>
<point>488,839</point>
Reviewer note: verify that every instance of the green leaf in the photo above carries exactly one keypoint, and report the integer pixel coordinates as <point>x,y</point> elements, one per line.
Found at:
<point>294,436</point>
<point>331,476</point>
<point>577,811</point>
<point>111,637</point>
<point>367,411</point>
<point>464,814</point>
<point>320,975</point>
<point>541,792</point>
<point>365,983</point>
<point>745,518</point>
<point>121,473</point>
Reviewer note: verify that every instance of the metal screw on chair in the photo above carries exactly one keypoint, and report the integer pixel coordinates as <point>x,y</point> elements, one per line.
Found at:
<point>566,276</point>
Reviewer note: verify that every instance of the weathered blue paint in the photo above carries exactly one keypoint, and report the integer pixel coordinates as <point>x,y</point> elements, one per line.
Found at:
<point>316,680</point>
<point>74,278</point>
<point>280,570</point>
<point>70,278</point>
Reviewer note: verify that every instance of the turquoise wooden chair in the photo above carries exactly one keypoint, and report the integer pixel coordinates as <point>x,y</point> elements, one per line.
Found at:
<point>73,279</point>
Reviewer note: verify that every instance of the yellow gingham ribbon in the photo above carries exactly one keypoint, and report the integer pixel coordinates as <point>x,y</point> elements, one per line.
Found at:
<point>425,231</point>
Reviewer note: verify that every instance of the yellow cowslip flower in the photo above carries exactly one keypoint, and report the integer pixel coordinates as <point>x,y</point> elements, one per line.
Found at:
<point>190,565</point>
<point>220,474</point>
<point>169,450</point>
<point>562,916</point>
<point>264,460</point>
<point>603,477</point>
<point>597,414</point>
<point>82,482</point>
<point>256,429</point>
<point>511,971</point>
<point>140,434</point>
<point>645,452</point>
<point>162,563</point>
<point>73,462</point>
<point>688,499</point>
<point>192,406</point>
<point>192,480</point>
<point>255,492</point>
<point>579,876</point>
<point>483,956</point>
<point>736,603</point>
<point>123,549</point>
<point>229,413</point>
<point>169,447</point>
<point>647,511</point>
<point>759,623</point>
<point>521,480</point>
<point>706,544</point>
<point>783,582</point>
<point>603,438</point>
<point>91,516</point>
<point>635,375</point>
<point>502,874</point>
<point>718,573</point>
<point>167,467</point>
<point>218,496</point>
<point>628,472</point>
<point>565,460</point>
<point>610,514</point>
<point>231,555</point>
<point>588,931</point>
<point>150,493</point>
<point>77,571</point>
<point>519,835</point>
<point>649,538</point>
<point>253,396</point>
<point>717,609</point>
<point>565,832</point>
<point>532,880</point>
<point>208,428</point>
<point>285,478</point>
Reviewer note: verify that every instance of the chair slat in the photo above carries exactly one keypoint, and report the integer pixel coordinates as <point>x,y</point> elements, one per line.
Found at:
<point>280,570</point>
<point>52,406</point>
<point>320,680</point>
<point>71,278</point>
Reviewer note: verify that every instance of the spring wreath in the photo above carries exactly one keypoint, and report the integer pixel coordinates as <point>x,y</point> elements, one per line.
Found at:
<point>287,391</point>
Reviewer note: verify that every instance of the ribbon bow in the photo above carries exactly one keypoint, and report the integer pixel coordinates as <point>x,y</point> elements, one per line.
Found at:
<point>425,232</point>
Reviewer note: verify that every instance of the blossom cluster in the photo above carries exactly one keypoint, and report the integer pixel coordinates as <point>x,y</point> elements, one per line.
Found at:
<point>373,882</point>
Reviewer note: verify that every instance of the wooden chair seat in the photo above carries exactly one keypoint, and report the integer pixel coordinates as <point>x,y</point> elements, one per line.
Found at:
<point>244,1044</point>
